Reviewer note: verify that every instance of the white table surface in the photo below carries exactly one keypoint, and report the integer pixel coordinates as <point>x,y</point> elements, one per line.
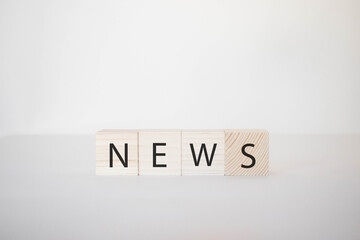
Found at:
<point>48,190</point>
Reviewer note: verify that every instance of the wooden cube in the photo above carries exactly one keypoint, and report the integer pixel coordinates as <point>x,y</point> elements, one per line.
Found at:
<point>246,153</point>
<point>117,152</point>
<point>160,152</point>
<point>203,152</point>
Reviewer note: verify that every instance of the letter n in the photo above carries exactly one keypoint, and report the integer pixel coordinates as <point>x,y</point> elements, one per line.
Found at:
<point>113,149</point>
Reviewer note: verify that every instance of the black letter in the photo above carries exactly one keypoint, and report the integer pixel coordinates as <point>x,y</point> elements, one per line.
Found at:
<point>203,147</point>
<point>157,154</point>
<point>248,155</point>
<point>112,147</point>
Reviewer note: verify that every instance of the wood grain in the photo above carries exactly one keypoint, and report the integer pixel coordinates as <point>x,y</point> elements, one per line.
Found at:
<point>172,150</point>
<point>197,138</point>
<point>234,158</point>
<point>119,138</point>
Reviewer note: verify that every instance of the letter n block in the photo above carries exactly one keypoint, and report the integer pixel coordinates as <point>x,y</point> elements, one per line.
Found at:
<point>160,152</point>
<point>203,152</point>
<point>246,153</point>
<point>117,152</point>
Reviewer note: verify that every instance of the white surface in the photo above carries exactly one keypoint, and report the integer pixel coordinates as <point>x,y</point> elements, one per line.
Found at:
<point>49,191</point>
<point>76,66</point>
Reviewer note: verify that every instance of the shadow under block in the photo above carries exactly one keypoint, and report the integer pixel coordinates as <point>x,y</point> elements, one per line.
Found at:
<point>204,148</point>
<point>160,152</point>
<point>123,146</point>
<point>246,153</point>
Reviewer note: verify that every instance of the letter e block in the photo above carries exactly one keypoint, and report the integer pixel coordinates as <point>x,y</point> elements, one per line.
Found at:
<point>117,152</point>
<point>203,152</point>
<point>160,152</point>
<point>246,153</point>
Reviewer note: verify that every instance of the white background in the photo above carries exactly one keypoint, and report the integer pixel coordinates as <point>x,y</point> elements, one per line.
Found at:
<point>69,68</point>
<point>80,66</point>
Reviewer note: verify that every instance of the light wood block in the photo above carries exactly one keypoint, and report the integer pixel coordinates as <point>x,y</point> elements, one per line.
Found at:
<point>203,152</point>
<point>122,145</point>
<point>160,152</point>
<point>246,153</point>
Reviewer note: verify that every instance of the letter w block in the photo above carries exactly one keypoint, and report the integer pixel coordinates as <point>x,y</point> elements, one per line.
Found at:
<point>117,152</point>
<point>203,152</point>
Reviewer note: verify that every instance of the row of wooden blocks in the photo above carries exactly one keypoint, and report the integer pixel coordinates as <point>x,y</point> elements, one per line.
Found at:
<point>182,152</point>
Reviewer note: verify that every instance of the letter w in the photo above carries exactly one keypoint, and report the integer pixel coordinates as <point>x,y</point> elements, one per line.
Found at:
<point>203,148</point>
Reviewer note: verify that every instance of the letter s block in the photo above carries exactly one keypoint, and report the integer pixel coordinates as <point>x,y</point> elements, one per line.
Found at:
<point>117,152</point>
<point>160,152</point>
<point>246,153</point>
<point>203,152</point>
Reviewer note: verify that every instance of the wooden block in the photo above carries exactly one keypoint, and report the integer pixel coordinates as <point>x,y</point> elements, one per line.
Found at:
<point>117,152</point>
<point>246,152</point>
<point>203,152</point>
<point>160,152</point>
